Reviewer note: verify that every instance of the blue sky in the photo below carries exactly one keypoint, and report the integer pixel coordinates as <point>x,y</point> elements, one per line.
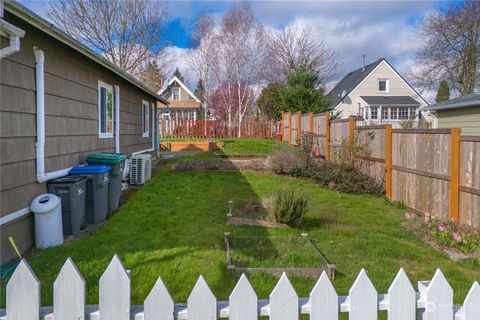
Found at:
<point>351,28</point>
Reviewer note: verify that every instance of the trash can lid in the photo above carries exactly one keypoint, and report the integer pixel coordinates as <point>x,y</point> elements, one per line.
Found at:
<point>44,203</point>
<point>68,179</point>
<point>107,158</point>
<point>89,169</point>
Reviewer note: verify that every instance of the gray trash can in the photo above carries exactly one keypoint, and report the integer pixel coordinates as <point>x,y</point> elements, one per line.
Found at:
<point>96,201</point>
<point>71,190</point>
<point>48,220</point>
<point>117,162</point>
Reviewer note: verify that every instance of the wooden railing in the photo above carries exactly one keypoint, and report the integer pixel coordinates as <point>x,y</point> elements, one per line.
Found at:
<point>433,301</point>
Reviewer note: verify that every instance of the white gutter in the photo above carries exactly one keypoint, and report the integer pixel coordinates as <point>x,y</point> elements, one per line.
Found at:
<point>117,119</point>
<point>153,134</point>
<point>13,33</point>
<point>42,176</point>
<point>14,216</point>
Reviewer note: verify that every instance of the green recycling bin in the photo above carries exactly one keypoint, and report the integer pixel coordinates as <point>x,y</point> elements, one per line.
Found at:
<point>117,162</point>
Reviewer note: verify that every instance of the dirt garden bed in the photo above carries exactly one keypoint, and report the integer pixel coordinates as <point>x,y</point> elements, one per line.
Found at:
<point>217,164</point>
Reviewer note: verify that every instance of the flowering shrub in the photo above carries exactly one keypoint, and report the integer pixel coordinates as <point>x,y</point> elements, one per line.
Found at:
<point>446,232</point>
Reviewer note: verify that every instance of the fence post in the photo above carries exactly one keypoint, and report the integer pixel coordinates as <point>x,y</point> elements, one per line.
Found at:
<point>327,138</point>
<point>283,126</point>
<point>311,130</point>
<point>454,173</point>
<point>351,138</point>
<point>289,127</point>
<point>299,127</point>
<point>388,161</point>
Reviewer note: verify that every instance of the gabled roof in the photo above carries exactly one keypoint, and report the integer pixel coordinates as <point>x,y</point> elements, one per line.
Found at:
<point>390,101</point>
<point>35,20</point>
<point>175,79</point>
<point>350,82</point>
<point>470,100</point>
<point>353,79</point>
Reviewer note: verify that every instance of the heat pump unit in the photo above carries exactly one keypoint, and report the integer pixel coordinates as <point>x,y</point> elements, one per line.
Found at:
<point>140,169</point>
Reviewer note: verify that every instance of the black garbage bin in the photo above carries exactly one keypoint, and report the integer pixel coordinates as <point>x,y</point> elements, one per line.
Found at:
<point>71,190</point>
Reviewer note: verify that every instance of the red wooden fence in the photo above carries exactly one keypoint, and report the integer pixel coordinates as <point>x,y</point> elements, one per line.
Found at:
<point>217,129</point>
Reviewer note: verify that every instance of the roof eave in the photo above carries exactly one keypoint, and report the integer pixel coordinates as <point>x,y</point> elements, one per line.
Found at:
<point>456,105</point>
<point>50,29</point>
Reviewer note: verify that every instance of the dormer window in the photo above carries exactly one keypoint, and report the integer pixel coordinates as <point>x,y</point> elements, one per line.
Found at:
<point>176,93</point>
<point>383,85</point>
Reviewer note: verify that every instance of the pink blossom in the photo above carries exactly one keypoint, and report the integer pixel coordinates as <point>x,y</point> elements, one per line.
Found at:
<point>456,237</point>
<point>409,215</point>
<point>441,228</point>
<point>426,220</point>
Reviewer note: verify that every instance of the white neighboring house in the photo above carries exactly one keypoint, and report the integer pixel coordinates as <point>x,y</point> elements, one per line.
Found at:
<point>183,104</point>
<point>378,93</point>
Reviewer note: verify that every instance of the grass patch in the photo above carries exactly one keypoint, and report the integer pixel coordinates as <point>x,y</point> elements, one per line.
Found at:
<point>273,252</point>
<point>173,227</point>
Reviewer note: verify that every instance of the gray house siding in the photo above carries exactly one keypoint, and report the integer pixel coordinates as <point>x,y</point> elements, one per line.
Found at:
<point>71,121</point>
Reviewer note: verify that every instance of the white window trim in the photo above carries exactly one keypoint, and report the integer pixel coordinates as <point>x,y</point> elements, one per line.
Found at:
<point>145,134</point>
<point>105,135</point>
<point>387,85</point>
<point>179,94</point>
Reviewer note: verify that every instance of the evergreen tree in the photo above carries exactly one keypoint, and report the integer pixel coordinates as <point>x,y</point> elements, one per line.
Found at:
<point>303,93</point>
<point>269,101</point>
<point>200,90</point>
<point>443,92</point>
<point>152,76</point>
<point>179,75</point>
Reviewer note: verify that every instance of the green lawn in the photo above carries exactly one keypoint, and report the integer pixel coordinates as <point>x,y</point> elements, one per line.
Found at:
<point>173,227</point>
<point>249,146</point>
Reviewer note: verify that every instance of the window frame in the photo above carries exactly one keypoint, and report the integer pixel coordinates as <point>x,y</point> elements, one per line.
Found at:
<point>374,110</point>
<point>173,94</point>
<point>106,134</point>
<point>387,85</point>
<point>145,119</point>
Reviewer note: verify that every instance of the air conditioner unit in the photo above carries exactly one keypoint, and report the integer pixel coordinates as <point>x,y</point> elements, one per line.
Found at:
<point>140,169</point>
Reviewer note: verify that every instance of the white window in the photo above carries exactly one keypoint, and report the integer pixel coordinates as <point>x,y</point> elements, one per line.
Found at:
<point>383,85</point>
<point>384,113</point>
<point>105,110</point>
<point>403,113</point>
<point>145,119</point>
<point>175,93</point>
<point>394,113</point>
<point>374,113</point>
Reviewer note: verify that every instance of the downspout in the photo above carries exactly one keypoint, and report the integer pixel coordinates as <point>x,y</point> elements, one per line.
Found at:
<point>12,33</point>
<point>117,119</point>
<point>42,176</point>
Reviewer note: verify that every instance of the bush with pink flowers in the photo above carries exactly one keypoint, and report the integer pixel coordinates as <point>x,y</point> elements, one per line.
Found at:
<point>445,232</point>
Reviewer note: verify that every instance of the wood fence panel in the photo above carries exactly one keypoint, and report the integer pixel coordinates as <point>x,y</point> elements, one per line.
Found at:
<point>283,301</point>
<point>69,293</point>
<point>469,199</point>
<point>243,301</point>
<point>159,304</point>
<point>323,300</point>
<point>202,304</point>
<point>305,123</point>
<point>401,298</point>
<point>371,141</point>
<point>294,126</point>
<point>114,292</point>
<point>23,294</point>
<point>319,134</point>
<point>420,175</point>
<point>363,298</point>
<point>339,133</point>
<point>439,299</point>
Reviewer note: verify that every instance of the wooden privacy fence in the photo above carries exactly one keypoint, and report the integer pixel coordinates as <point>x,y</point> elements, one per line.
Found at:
<point>215,129</point>
<point>435,171</point>
<point>433,301</point>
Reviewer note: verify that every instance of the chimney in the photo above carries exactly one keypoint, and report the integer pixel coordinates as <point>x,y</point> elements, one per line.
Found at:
<point>363,58</point>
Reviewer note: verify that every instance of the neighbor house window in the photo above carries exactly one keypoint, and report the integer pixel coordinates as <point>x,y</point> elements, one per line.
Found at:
<point>105,110</point>
<point>394,113</point>
<point>175,93</point>
<point>403,113</point>
<point>374,113</point>
<point>145,118</point>
<point>383,85</point>
<point>384,113</point>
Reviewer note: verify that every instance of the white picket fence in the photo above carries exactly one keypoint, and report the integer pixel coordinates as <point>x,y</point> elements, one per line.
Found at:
<point>434,300</point>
